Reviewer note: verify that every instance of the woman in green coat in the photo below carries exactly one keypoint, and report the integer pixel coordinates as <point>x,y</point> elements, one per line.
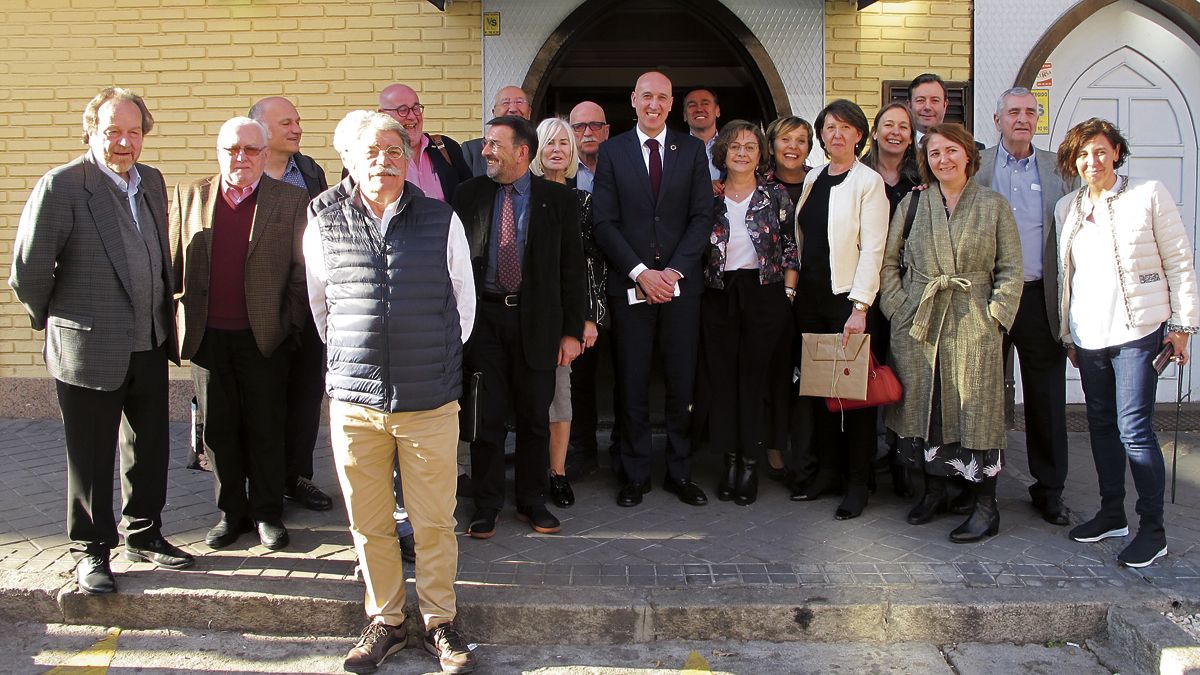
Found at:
<point>949,295</point>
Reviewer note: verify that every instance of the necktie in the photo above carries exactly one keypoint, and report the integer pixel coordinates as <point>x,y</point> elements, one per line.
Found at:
<point>655,166</point>
<point>508,264</point>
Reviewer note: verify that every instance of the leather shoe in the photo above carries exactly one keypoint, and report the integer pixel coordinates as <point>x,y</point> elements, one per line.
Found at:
<point>963,503</point>
<point>560,491</point>
<point>161,553</point>
<point>226,532</point>
<point>631,493</point>
<point>308,495</point>
<point>539,518</point>
<point>1053,510</point>
<point>93,574</point>
<point>272,535</point>
<point>687,491</point>
<point>483,524</point>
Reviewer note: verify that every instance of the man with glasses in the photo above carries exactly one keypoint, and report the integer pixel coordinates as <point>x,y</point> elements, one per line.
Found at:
<point>510,101</point>
<point>436,165</point>
<point>591,129</point>
<point>239,280</point>
<point>391,292</point>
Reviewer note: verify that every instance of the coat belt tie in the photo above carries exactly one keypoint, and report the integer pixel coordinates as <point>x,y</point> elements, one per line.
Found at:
<point>929,303</point>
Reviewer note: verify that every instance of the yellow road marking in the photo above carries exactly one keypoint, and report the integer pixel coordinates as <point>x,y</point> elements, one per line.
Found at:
<point>696,664</point>
<point>94,660</point>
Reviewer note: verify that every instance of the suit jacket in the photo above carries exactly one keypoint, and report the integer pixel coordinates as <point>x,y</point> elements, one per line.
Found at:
<point>276,290</point>
<point>553,301</point>
<point>1053,187</point>
<point>70,272</point>
<point>450,173</point>
<point>314,175</point>
<point>472,151</point>
<point>632,227</point>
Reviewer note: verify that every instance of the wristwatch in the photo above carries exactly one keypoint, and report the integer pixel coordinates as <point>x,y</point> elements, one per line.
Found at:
<point>861,306</point>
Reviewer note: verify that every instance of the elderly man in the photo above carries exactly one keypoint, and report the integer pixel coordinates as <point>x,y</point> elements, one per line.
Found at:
<point>701,109</point>
<point>239,271</point>
<point>90,265</point>
<point>1026,177</point>
<point>509,101</point>
<point>389,281</point>
<point>306,366</point>
<point>591,129</point>
<point>436,165</point>
<point>527,255</point>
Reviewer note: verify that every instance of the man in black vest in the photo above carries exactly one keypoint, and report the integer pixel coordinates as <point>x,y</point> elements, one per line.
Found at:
<point>527,255</point>
<point>390,286</point>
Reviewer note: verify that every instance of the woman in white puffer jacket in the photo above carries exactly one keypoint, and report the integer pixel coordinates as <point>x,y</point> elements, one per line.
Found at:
<point>1128,291</point>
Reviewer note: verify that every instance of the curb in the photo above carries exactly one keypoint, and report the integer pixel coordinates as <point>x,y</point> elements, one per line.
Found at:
<point>1141,641</point>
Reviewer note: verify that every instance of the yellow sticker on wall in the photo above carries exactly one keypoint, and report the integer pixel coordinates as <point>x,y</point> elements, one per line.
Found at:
<point>491,23</point>
<point>1043,101</point>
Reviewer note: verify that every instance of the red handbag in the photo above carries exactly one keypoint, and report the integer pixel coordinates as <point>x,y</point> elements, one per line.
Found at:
<point>883,388</point>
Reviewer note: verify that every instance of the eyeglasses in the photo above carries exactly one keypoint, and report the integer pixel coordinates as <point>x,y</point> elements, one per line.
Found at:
<point>403,110</point>
<point>247,150</point>
<point>504,103</point>
<point>749,148</point>
<point>391,152</point>
<point>594,126</point>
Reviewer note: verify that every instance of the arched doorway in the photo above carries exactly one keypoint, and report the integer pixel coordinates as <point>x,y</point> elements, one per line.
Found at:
<point>600,49</point>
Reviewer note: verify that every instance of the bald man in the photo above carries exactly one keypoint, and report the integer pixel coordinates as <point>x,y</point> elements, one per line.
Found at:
<point>436,165</point>
<point>510,100</point>
<point>285,162</point>
<point>591,129</point>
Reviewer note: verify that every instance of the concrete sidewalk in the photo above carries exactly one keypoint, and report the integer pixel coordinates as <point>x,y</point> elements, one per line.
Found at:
<point>660,571</point>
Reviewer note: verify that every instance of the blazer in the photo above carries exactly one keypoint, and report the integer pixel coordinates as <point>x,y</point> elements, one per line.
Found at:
<point>314,175</point>
<point>1053,188</point>
<point>553,295</point>
<point>70,273</point>
<point>632,227</point>
<point>276,288</point>
<point>472,152</point>
<point>450,173</point>
<point>768,219</point>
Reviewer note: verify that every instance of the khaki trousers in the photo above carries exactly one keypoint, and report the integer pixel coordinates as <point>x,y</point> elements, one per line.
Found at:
<point>366,442</point>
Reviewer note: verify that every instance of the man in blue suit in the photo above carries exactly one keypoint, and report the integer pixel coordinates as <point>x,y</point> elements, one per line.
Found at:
<point>653,213</point>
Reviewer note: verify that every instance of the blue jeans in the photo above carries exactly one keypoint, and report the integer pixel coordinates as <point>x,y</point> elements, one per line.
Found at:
<point>1119,387</point>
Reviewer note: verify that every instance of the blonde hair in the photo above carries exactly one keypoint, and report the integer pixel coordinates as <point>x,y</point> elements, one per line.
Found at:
<point>546,130</point>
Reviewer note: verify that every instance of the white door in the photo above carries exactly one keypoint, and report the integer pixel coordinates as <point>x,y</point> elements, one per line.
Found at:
<point>1131,66</point>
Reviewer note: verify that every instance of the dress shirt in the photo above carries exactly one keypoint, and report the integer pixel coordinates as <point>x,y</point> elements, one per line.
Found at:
<point>130,187</point>
<point>713,173</point>
<point>292,174</point>
<point>662,154</point>
<point>422,174</point>
<point>740,253</point>
<point>520,199</point>
<point>1017,180</point>
<point>235,195</point>
<point>585,178</point>
<point>458,262</point>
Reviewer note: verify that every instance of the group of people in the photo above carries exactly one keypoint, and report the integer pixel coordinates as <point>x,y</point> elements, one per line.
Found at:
<point>441,294</point>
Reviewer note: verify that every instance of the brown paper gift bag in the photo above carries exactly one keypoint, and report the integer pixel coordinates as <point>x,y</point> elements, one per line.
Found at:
<point>826,370</point>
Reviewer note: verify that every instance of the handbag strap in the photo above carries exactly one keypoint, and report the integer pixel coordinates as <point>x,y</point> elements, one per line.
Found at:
<point>911,215</point>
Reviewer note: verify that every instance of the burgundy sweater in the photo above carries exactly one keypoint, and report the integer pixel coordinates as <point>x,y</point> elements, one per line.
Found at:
<point>227,271</point>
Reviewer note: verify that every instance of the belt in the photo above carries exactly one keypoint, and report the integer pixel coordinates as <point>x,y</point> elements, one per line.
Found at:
<point>508,300</point>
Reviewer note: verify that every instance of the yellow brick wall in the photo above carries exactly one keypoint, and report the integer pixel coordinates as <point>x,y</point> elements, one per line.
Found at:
<point>893,40</point>
<point>200,62</point>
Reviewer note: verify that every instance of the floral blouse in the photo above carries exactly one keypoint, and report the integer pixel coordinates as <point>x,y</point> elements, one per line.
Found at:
<point>767,218</point>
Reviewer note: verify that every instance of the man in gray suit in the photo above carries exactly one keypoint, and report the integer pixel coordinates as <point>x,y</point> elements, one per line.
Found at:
<point>90,265</point>
<point>510,100</point>
<point>1026,177</point>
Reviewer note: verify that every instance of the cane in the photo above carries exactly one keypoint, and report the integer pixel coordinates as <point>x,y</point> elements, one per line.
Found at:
<point>1178,413</point>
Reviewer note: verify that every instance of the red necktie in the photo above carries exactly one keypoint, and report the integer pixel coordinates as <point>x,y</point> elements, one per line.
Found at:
<point>655,166</point>
<point>508,264</point>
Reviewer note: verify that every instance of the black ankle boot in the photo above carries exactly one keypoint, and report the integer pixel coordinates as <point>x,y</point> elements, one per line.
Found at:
<point>933,501</point>
<point>747,483</point>
<point>853,503</point>
<point>729,478</point>
<point>985,519</point>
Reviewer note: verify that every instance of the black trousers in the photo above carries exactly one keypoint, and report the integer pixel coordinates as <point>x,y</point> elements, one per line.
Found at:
<point>496,350</point>
<point>842,442</point>
<point>673,328</point>
<point>305,394</point>
<point>740,327</point>
<point>241,394</point>
<point>131,422</point>
<point>1043,381</point>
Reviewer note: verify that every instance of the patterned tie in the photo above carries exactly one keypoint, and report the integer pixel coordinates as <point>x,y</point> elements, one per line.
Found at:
<point>508,264</point>
<point>655,166</point>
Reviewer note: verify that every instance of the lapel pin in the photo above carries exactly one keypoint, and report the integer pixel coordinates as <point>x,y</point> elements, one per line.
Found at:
<point>672,146</point>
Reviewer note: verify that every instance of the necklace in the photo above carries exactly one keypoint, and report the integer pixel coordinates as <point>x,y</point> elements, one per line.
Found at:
<point>738,195</point>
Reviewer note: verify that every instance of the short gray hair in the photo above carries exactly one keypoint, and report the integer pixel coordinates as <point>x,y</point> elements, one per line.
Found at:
<point>357,123</point>
<point>1015,91</point>
<point>234,123</point>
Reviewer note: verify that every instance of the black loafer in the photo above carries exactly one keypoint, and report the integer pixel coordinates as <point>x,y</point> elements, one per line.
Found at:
<point>688,492</point>
<point>483,524</point>
<point>560,491</point>
<point>1053,510</point>
<point>272,535</point>
<point>631,493</point>
<point>161,553</point>
<point>539,518</point>
<point>93,574</point>
<point>308,495</point>
<point>226,532</point>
